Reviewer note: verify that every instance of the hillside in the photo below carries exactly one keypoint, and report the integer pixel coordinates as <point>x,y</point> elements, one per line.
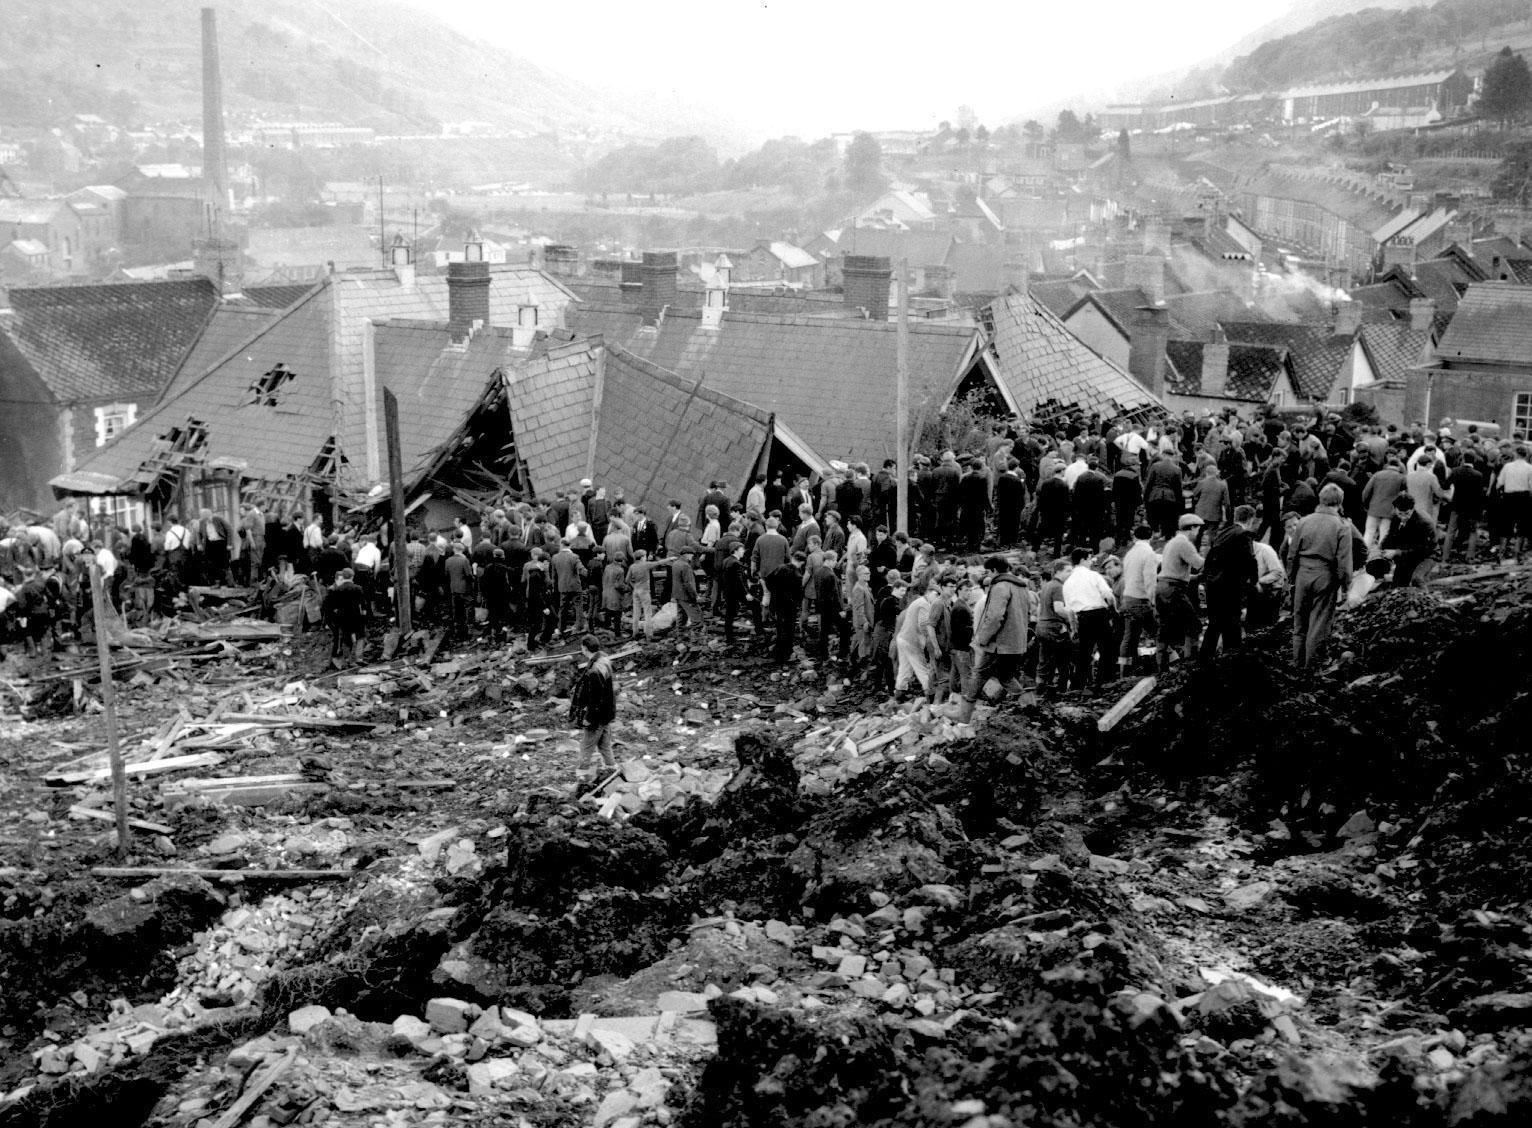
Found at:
<point>1382,41</point>
<point>364,63</point>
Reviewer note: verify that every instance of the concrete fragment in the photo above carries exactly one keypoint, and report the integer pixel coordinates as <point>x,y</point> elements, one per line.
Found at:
<point>618,1047</point>
<point>650,1086</point>
<point>1247,897</point>
<point>414,1029</point>
<point>615,1104</point>
<point>852,967</point>
<point>681,1002</point>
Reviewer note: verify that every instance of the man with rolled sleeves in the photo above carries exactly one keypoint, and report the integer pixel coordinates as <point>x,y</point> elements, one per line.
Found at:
<point>1319,568</point>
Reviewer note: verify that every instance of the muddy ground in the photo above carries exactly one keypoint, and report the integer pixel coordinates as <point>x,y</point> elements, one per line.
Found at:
<point>1265,897</point>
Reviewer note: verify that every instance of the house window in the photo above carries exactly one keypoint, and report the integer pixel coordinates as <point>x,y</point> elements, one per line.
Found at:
<point>526,316</point>
<point>113,419</point>
<point>121,511</point>
<point>263,393</point>
<point>1521,417</point>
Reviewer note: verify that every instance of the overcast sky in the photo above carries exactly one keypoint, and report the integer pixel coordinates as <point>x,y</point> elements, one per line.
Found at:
<point>816,66</point>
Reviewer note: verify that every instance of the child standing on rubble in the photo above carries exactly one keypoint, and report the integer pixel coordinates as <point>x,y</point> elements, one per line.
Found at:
<point>593,705</point>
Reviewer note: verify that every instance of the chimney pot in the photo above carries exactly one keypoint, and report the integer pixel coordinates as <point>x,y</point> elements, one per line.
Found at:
<point>467,297</point>
<point>1146,347</point>
<point>864,281</point>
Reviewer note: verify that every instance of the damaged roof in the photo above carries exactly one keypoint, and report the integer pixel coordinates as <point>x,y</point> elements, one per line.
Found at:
<point>1394,348</point>
<point>829,380</point>
<point>99,342</point>
<point>1039,363</point>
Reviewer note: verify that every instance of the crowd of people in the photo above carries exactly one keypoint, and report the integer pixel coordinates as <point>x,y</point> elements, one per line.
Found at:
<point>1107,544</point>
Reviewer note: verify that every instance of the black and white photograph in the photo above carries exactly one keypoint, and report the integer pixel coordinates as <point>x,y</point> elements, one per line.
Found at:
<point>765,564</point>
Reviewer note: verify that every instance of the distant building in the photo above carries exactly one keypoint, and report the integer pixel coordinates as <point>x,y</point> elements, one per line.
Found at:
<point>53,224</point>
<point>776,261</point>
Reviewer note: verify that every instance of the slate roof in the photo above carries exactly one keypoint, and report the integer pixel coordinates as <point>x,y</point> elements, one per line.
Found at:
<point>1202,311</point>
<point>437,383</point>
<point>1041,363</point>
<point>550,402</point>
<point>1120,304</point>
<point>227,328</point>
<point>320,338</point>
<point>276,296</point>
<point>1396,224</point>
<point>662,435</point>
<point>98,342</point>
<point>830,380</point>
<point>1253,371</point>
<point>1058,296</point>
<point>1392,292</point>
<point>1493,323</point>
<point>1395,348</point>
<point>271,441</point>
<point>1316,351</point>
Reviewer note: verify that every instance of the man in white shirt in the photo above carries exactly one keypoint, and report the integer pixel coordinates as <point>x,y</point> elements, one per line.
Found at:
<point>1089,602</point>
<point>1270,587</point>
<point>1139,568</point>
<point>1515,482</point>
<point>916,642</point>
<point>1073,471</point>
<point>177,542</point>
<point>365,571</point>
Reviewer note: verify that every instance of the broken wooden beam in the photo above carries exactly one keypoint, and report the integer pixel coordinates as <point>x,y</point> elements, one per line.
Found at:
<point>146,873</point>
<point>79,812</point>
<point>298,720</point>
<point>256,1090</point>
<point>148,767</point>
<point>1129,702</point>
<point>549,659</point>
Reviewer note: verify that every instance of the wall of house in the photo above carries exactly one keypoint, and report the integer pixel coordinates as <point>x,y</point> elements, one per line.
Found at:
<point>31,440</point>
<point>153,219</point>
<point>1388,397</point>
<point>1092,326</point>
<point>1482,394</point>
<point>1197,405</point>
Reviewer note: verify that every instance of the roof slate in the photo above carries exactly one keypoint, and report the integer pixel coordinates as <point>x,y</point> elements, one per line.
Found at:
<point>830,379</point>
<point>1252,373</point>
<point>1202,311</point>
<point>1493,323</point>
<point>1394,348</point>
<point>551,399</point>
<point>1041,363</point>
<point>1317,352</point>
<point>229,327</point>
<point>96,342</point>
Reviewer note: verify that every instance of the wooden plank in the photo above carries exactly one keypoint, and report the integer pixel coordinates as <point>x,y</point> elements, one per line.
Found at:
<point>206,782</point>
<point>79,812</point>
<point>256,1090</point>
<point>549,659</point>
<point>297,720</point>
<point>249,795</point>
<point>145,873</point>
<point>1129,702</point>
<point>155,767</point>
<point>1475,577</point>
<point>864,747</point>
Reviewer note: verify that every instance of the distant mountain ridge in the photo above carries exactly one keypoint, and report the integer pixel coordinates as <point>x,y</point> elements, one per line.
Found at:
<point>359,62</point>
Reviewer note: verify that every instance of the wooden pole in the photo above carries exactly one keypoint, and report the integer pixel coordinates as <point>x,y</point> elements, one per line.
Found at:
<point>109,703</point>
<point>902,403</point>
<point>402,600</point>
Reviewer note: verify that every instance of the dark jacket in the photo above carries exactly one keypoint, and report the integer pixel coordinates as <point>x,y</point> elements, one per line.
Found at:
<point>343,607</point>
<point>594,702</point>
<point>1228,569</point>
<point>1002,627</point>
<point>1163,483</point>
<point>786,588</point>
<point>731,579</point>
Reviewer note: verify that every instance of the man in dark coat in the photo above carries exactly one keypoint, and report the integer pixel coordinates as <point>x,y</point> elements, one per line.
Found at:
<point>1088,502</point>
<point>1228,577</point>
<point>1051,518</point>
<point>1163,497</point>
<point>1127,494</point>
<point>785,587</point>
<point>593,705</point>
<point>345,610</point>
<point>1010,502</point>
<point>732,588</point>
<point>973,503</point>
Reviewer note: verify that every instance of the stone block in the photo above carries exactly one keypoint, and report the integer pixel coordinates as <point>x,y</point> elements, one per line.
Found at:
<point>304,1019</point>
<point>451,1016</point>
<point>484,1076</point>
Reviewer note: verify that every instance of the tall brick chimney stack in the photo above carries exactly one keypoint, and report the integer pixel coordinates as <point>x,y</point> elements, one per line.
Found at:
<point>467,297</point>
<point>1147,272</point>
<point>215,167</point>
<point>657,275</point>
<point>864,281</point>
<point>1215,364</point>
<point>1146,347</point>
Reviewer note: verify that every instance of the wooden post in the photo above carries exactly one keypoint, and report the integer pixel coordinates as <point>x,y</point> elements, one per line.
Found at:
<point>595,415</point>
<point>402,599</point>
<point>109,703</point>
<point>902,403</point>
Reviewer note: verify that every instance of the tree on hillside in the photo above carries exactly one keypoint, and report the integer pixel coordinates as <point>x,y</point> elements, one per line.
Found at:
<point>1507,93</point>
<point>864,165</point>
<point>1124,146</point>
<point>1034,131</point>
<point>1513,179</point>
<point>1068,127</point>
<point>981,135</point>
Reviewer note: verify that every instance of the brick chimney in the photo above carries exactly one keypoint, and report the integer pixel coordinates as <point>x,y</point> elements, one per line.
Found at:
<point>1146,347</point>
<point>865,281</point>
<point>467,297</point>
<point>561,260</point>
<point>1422,314</point>
<point>1018,275</point>
<point>657,276</point>
<point>1348,318</point>
<point>1215,364</point>
<point>1147,272</point>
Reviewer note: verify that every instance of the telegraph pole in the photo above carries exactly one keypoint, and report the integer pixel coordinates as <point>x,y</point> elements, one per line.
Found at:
<point>902,401</point>
<point>402,594</point>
